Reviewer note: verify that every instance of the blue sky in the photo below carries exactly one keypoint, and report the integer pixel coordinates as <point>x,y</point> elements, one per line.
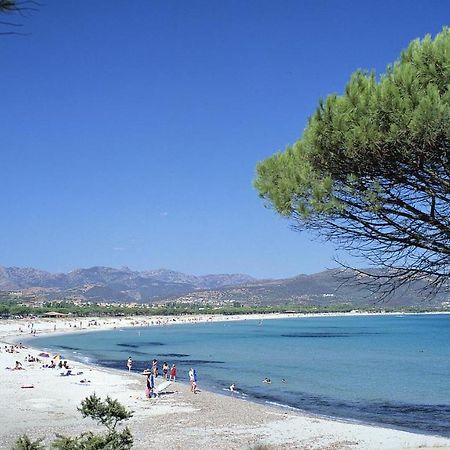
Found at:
<point>130,131</point>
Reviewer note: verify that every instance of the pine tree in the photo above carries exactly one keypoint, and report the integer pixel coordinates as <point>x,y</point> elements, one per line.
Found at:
<point>371,171</point>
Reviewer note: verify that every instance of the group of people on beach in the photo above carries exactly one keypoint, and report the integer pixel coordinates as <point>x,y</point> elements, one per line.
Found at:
<point>169,373</point>
<point>31,358</point>
<point>13,348</point>
<point>152,374</point>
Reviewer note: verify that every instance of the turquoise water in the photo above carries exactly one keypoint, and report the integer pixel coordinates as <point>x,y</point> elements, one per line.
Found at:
<point>391,370</point>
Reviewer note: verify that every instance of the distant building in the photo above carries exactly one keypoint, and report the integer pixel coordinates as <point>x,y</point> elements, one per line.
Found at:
<point>53,314</point>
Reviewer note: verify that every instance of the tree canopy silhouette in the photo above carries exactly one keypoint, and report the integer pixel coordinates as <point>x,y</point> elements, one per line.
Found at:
<point>371,171</point>
<point>18,7</point>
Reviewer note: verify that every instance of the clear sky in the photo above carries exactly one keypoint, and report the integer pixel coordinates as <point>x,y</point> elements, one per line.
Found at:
<point>130,130</point>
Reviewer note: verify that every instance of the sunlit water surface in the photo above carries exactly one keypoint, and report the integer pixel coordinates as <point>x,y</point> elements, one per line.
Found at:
<point>390,370</point>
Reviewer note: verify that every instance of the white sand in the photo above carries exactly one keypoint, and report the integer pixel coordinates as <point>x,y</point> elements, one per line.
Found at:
<point>177,420</point>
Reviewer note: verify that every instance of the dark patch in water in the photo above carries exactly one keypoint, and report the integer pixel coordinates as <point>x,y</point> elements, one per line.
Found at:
<point>432,419</point>
<point>325,335</point>
<point>199,361</point>
<point>112,363</point>
<point>68,348</point>
<point>136,352</point>
<point>145,344</point>
<point>173,355</point>
<point>138,365</point>
<point>420,418</point>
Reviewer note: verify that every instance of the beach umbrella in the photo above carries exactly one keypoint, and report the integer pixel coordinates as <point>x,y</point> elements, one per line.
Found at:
<point>44,355</point>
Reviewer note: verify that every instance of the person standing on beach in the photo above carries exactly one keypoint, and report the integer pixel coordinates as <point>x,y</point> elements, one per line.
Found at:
<point>148,388</point>
<point>155,367</point>
<point>129,363</point>
<point>191,378</point>
<point>165,369</point>
<point>150,385</point>
<point>195,382</point>
<point>173,373</point>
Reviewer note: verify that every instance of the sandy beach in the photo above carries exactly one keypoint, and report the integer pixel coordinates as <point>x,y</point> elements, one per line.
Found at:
<point>178,419</point>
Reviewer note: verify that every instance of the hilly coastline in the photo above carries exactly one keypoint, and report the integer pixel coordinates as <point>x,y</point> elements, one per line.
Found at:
<point>110,284</point>
<point>106,284</point>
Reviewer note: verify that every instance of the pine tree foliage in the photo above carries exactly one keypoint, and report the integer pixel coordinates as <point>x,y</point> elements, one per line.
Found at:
<point>21,8</point>
<point>371,171</point>
<point>7,5</point>
<point>25,443</point>
<point>109,413</point>
<point>112,440</point>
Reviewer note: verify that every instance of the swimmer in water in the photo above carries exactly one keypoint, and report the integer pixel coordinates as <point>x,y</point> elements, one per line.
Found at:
<point>267,380</point>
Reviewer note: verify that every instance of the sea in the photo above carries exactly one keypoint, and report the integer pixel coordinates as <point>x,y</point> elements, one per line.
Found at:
<point>388,370</point>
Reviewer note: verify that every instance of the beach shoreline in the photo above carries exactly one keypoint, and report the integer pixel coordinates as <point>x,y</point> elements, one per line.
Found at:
<point>208,419</point>
<point>46,325</point>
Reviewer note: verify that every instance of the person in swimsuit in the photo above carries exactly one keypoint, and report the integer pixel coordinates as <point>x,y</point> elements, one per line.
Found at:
<point>194,385</point>
<point>165,369</point>
<point>191,378</point>
<point>148,386</point>
<point>155,367</point>
<point>173,373</point>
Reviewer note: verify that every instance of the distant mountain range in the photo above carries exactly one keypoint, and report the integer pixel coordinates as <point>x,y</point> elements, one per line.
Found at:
<point>124,285</point>
<point>327,288</point>
<point>106,283</point>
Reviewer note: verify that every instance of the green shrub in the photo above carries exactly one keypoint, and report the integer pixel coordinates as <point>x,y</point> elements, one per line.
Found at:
<point>108,413</point>
<point>25,443</point>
